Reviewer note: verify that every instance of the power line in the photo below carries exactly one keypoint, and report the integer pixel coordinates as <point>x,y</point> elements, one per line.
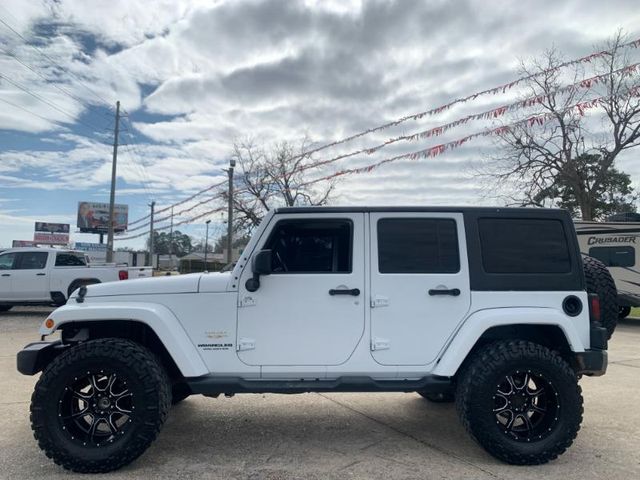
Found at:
<point>3,22</point>
<point>51,104</point>
<point>48,80</point>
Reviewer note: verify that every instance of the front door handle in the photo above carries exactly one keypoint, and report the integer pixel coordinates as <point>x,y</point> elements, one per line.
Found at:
<point>345,291</point>
<point>40,274</point>
<point>6,274</point>
<point>454,292</point>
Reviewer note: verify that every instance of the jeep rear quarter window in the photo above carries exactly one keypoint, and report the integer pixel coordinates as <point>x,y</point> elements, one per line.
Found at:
<point>417,245</point>
<point>311,246</point>
<point>524,246</point>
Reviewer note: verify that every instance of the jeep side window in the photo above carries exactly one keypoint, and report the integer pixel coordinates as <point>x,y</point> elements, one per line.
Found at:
<point>418,245</point>
<point>614,256</point>
<point>311,246</point>
<point>529,246</point>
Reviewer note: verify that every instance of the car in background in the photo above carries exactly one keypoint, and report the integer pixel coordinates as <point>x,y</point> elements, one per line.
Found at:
<point>48,276</point>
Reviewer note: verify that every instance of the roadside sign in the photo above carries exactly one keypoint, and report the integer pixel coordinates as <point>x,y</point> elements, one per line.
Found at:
<point>52,227</point>
<point>23,243</point>
<point>93,217</point>
<point>97,252</point>
<point>51,238</point>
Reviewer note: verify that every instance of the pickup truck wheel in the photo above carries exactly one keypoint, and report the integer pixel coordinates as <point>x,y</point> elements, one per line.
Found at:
<point>600,282</point>
<point>520,401</point>
<point>623,312</point>
<point>5,308</point>
<point>447,397</point>
<point>99,405</point>
<point>79,283</point>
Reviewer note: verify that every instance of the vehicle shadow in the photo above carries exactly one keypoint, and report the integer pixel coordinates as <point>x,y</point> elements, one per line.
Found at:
<point>279,432</point>
<point>28,312</point>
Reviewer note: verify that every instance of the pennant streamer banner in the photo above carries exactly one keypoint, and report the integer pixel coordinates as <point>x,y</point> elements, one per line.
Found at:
<point>436,150</point>
<point>432,132</point>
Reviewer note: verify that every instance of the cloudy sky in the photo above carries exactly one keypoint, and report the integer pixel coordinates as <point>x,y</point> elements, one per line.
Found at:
<point>193,76</point>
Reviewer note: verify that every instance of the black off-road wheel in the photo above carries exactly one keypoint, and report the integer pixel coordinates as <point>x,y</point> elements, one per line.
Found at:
<point>445,397</point>
<point>600,282</point>
<point>520,401</point>
<point>99,405</point>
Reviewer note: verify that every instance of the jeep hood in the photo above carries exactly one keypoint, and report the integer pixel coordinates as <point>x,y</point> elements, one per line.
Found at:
<point>191,283</point>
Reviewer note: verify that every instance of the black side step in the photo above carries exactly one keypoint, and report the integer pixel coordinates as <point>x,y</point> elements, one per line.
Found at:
<point>208,385</point>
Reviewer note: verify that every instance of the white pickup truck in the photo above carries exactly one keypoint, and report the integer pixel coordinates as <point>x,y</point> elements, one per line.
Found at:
<point>44,276</point>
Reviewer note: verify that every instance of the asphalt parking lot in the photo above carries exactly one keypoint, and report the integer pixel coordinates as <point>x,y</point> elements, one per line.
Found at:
<point>338,435</point>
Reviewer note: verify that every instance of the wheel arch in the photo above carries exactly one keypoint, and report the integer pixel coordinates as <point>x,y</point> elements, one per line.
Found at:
<point>153,325</point>
<point>78,282</point>
<point>546,327</point>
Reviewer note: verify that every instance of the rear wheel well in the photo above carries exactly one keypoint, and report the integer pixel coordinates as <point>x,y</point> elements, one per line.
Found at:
<point>551,336</point>
<point>78,282</point>
<point>138,332</point>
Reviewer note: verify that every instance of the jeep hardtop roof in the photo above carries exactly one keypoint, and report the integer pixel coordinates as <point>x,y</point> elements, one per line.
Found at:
<point>523,211</point>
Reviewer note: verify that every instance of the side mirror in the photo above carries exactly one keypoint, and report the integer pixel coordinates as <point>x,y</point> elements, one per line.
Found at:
<point>260,265</point>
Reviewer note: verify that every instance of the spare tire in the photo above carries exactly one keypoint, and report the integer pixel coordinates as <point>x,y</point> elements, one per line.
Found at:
<point>600,282</point>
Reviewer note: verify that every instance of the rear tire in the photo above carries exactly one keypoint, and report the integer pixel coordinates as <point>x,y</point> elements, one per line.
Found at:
<point>99,405</point>
<point>623,312</point>
<point>5,308</point>
<point>600,282</point>
<point>520,401</point>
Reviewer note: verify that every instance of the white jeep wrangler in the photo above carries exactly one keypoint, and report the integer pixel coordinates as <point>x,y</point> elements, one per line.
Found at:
<point>489,307</point>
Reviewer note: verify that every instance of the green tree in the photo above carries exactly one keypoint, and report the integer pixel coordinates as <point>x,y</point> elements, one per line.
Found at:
<point>162,243</point>
<point>608,190</point>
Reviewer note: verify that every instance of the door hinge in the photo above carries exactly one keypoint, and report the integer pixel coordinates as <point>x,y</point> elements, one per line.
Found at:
<point>380,344</point>
<point>246,344</point>
<point>378,301</point>
<point>246,301</point>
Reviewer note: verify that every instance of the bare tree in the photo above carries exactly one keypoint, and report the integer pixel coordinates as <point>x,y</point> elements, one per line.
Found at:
<point>271,178</point>
<point>538,161</point>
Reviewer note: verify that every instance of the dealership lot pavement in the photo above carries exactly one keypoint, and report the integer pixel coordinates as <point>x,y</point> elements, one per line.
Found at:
<point>334,435</point>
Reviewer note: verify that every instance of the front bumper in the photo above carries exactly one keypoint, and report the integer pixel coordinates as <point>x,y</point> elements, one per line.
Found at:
<point>36,356</point>
<point>591,362</point>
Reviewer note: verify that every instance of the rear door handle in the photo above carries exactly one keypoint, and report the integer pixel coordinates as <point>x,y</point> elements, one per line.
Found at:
<point>6,274</point>
<point>345,291</point>
<point>454,292</point>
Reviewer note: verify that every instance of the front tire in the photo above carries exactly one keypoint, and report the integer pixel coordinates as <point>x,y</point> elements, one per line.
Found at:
<point>99,405</point>
<point>520,401</point>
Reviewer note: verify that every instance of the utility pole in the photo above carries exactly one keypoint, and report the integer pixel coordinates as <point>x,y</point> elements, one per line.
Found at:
<point>232,163</point>
<point>152,205</point>
<point>112,198</point>
<point>171,241</point>
<point>206,246</point>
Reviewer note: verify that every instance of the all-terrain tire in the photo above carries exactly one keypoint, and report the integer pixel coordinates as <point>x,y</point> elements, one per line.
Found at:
<point>445,397</point>
<point>5,308</point>
<point>479,396</point>
<point>146,387</point>
<point>600,282</point>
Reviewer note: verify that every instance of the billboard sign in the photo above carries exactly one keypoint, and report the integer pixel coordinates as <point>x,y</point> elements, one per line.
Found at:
<point>93,217</point>
<point>97,252</point>
<point>52,227</point>
<point>23,243</point>
<point>51,238</point>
